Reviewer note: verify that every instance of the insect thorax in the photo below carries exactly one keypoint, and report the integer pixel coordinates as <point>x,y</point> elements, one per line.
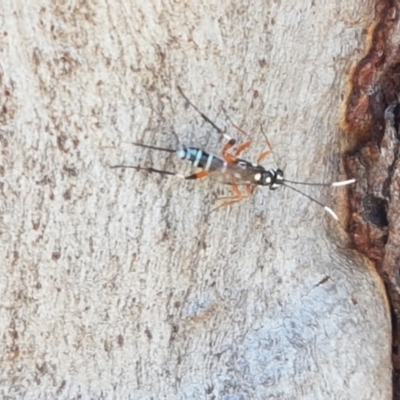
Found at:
<point>269,177</point>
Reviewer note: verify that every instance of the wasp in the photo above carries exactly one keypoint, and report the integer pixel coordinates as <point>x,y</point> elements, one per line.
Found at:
<point>231,169</point>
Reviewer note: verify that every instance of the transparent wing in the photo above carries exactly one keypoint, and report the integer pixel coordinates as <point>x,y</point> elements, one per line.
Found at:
<point>239,173</point>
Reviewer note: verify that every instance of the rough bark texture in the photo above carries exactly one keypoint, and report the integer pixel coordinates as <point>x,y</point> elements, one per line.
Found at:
<point>117,284</point>
<point>372,122</point>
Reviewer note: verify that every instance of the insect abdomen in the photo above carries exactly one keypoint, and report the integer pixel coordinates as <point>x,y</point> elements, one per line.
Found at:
<point>200,158</point>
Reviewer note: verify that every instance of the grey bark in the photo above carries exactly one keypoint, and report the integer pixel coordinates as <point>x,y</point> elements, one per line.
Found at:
<point>118,284</point>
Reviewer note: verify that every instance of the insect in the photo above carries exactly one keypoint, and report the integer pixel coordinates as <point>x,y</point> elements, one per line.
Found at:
<point>232,170</point>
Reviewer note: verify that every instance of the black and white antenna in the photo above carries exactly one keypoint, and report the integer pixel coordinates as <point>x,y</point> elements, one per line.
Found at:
<point>332,184</point>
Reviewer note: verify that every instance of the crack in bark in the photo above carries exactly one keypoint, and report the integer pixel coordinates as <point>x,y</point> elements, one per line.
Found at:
<point>371,122</point>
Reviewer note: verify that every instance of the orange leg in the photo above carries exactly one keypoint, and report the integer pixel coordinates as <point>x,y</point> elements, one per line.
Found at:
<point>235,126</point>
<point>238,196</point>
<point>228,157</point>
<point>242,147</point>
<point>263,155</point>
<point>245,145</point>
<point>231,158</point>
<point>266,153</point>
<point>232,142</point>
<point>249,189</point>
<point>197,175</point>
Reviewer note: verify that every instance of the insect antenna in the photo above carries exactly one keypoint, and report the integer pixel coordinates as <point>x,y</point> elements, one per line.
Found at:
<point>326,208</point>
<point>332,184</point>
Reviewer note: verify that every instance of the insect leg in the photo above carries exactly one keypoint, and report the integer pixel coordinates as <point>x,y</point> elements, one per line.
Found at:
<point>247,144</point>
<point>263,156</point>
<point>266,153</point>
<point>238,196</point>
<point>233,124</point>
<point>243,147</point>
<point>249,189</point>
<point>230,158</point>
<point>198,175</point>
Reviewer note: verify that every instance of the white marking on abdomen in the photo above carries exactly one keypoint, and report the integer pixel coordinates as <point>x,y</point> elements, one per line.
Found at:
<point>209,162</point>
<point>224,167</point>
<point>198,158</point>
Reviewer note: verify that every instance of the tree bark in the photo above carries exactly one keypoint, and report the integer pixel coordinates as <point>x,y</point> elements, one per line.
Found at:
<point>122,284</point>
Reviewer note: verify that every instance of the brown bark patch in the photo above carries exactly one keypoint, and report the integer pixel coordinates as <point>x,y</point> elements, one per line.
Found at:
<point>371,123</point>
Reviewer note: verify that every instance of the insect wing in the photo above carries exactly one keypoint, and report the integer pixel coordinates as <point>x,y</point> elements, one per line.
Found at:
<point>240,172</point>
